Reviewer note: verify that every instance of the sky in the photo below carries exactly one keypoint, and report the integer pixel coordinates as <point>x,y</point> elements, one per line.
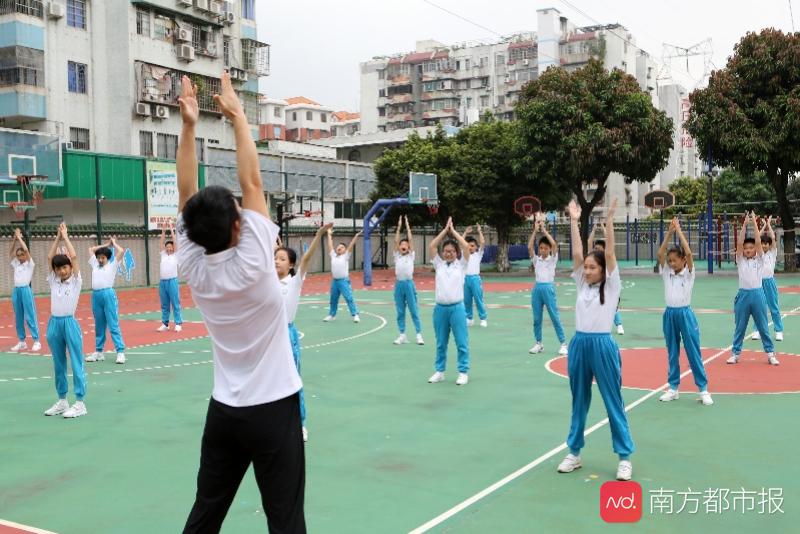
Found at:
<point>317,45</point>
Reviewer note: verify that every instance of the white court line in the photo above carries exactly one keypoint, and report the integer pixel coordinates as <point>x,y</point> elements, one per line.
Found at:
<point>441,518</point>
<point>24,528</point>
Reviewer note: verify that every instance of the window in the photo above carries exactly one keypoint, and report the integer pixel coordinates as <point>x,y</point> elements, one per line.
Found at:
<point>167,146</point>
<point>145,143</point>
<point>143,22</point>
<point>499,59</point>
<point>249,9</point>
<point>381,74</point>
<point>76,13</point>
<point>226,50</point>
<point>200,149</point>
<point>294,115</point>
<point>276,111</point>
<point>79,137</point>
<point>204,40</point>
<point>162,28</point>
<point>323,117</point>
<point>381,92</point>
<point>484,61</point>
<point>76,77</point>
<point>469,102</point>
<point>309,116</point>
<point>484,101</point>
<point>381,112</point>
<point>466,64</point>
<point>501,100</point>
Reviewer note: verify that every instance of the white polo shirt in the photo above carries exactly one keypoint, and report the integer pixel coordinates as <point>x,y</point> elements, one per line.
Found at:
<point>545,268</point>
<point>64,295</point>
<point>169,266</point>
<point>404,265</point>
<point>590,315</point>
<point>291,287</point>
<point>770,259</point>
<point>449,280</point>
<point>340,265</point>
<point>239,295</point>
<point>750,271</point>
<point>103,277</point>
<point>677,287</point>
<point>474,263</point>
<point>23,272</point>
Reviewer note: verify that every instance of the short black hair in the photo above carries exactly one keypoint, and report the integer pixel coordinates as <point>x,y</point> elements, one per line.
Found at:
<point>60,260</point>
<point>454,243</point>
<point>749,240</point>
<point>600,242</point>
<point>766,239</point>
<point>103,251</point>
<point>544,241</point>
<point>209,216</point>
<point>470,239</point>
<point>677,250</point>
<point>169,242</point>
<point>404,239</point>
<point>292,257</point>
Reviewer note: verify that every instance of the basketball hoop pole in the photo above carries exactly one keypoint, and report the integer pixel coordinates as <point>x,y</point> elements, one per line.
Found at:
<point>384,204</point>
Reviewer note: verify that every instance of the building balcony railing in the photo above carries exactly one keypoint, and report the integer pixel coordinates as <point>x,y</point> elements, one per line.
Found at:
<point>398,99</point>
<point>570,59</point>
<point>162,85</point>
<point>440,113</point>
<point>34,8</point>
<point>399,79</point>
<point>439,93</point>
<point>21,76</point>
<point>255,57</point>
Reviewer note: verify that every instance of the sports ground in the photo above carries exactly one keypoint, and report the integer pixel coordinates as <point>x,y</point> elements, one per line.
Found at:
<point>388,452</point>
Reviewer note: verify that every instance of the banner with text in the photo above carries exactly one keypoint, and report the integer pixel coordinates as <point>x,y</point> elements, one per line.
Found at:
<point>162,194</point>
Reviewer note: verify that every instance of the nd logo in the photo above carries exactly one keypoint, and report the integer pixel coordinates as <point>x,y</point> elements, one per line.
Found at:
<point>621,502</point>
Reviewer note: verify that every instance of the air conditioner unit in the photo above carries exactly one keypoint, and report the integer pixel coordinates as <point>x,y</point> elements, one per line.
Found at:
<point>230,18</point>
<point>184,2</point>
<point>143,109</point>
<point>162,112</point>
<point>526,62</point>
<point>238,74</point>
<point>186,52</point>
<point>216,8</point>
<point>183,34</point>
<point>66,146</point>
<point>55,10</point>
<point>202,5</point>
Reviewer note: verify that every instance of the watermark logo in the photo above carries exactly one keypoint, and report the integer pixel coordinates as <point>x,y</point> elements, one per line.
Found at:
<point>621,502</point>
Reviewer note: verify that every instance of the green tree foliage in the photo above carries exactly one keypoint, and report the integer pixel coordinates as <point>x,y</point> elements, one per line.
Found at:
<point>734,193</point>
<point>749,115</point>
<point>690,196</point>
<point>581,126</point>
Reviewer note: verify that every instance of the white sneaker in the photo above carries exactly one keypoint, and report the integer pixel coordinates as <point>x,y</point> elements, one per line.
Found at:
<point>470,322</point>
<point>462,379</point>
<point>178,327</point>
<point>329,318</point>
<point>733,359</point>
<point>401,339</point>
<point>536,349</point>
<point>95,357</point>
<point>778,336</point>
<point>36,346</point>
<point>356,318</point>
<point>563,350</point>
<point>624,470</point>
<point>76,410</point>
<point>755,335</point>
<point>420,341</point>
<point>162,328</point>
<point>484,323</point>
<point>120,357</point>
<point>569,464</point>
<point>305,434</point>
<point>58,408</point>
<point>19,346</point>
<point>772,359</point>
<point>705,398</point>
<point>620,330</point>
<point>438,376</point>
<point>669,395</point>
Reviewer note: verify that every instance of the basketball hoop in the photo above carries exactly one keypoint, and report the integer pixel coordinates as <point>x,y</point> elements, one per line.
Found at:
<point>527,207</point>
<point>433,208</point>
<point>34,184</point>
<point>20,207</point>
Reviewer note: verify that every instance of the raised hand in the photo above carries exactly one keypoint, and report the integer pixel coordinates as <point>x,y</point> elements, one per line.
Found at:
<point>574,210</point>
<point>228,101</point>
<point>468,229</point>
<point>612,209</point>
<point>17,233</point>
<point>62,230</point>
<point>190,110</point>
<point>327,227</point>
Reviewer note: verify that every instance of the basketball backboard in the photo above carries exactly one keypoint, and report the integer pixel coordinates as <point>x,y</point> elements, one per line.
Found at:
<point>422,188</point>
<point>30,153</point>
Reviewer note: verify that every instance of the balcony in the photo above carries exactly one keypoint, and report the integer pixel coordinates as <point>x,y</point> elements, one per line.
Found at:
<point>255,57</point>
<point>438,94</point>
<point>33,8</point>
<point>400,98</point>
<point>572,59</point>
<point>162,85</point>
<point>399,79</point>
<point>440,113</point>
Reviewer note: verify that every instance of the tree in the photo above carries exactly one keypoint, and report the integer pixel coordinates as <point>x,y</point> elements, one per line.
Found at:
<point>581,126</point>
<point>749,116</point>
<point>734,192</point>
<point>690,196</point>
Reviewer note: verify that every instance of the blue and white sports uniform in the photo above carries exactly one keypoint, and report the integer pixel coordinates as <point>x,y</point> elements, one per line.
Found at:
<point>405,293</point>
<point>473,286</point>
<point>750,301</point>
<point>449,314</point>
<point>543,295</point>
<point>291,287</point>
<point>22,299</point>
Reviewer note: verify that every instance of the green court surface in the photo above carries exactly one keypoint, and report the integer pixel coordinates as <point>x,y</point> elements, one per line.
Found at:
<point>388,452</point>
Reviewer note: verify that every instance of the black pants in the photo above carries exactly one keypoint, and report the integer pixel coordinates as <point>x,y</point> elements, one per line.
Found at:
<point>268,435</point>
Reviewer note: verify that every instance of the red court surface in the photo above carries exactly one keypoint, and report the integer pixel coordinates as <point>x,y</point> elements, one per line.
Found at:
<point>7,527</point>
<point>647,369</point>
<point>789,290</point>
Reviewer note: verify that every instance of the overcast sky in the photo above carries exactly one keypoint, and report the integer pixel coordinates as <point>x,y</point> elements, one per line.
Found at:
<point>317,45</point>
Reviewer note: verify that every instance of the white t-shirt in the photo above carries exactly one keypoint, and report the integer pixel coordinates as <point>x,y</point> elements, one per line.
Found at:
<point>545,269</point>
<point>340,265</point>
<point>239,296</point>
<point>103,277</point>
<point>677,287</point>
<point>64,295</point>
<point>474,262</point>
<point>291,286</point>
<point>750,271</point>
<point>169,265</point>
<point>404,265</point>
<point>449,280</point>
<point>590,315</point>
<point>23,272</point>
<point>770,259</point>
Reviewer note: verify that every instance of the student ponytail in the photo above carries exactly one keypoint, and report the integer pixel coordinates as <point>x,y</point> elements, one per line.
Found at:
<point>292,255</point>
<point>600,258</point>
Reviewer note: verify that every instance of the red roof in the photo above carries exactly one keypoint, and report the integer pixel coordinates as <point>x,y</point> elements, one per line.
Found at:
<point>341,116</point>
<point>522,44</point>
<point>301,100</point>
<point>588,36</point>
